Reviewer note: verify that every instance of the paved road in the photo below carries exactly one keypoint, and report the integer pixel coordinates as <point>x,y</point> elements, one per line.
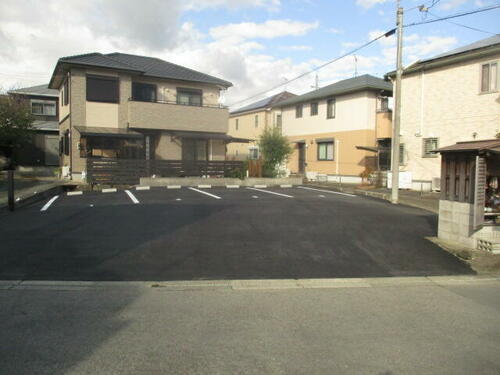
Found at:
<point>186,234</point>
<point>392,328</point>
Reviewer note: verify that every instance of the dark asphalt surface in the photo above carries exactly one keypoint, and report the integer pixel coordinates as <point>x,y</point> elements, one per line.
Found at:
<point>104,236</point>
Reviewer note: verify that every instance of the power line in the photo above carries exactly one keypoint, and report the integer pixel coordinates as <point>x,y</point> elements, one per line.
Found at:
<point>387,34</point>
<point>462,25</point>
<point>454,16</point>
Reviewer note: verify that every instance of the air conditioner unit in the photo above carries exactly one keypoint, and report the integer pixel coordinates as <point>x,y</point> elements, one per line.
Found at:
<point>436,183</point>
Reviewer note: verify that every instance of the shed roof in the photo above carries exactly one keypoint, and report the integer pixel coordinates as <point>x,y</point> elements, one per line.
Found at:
<point>483,145</point>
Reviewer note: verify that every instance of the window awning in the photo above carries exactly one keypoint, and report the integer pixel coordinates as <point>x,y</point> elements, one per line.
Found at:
<point>368,148</point>
<point>95,131</point>
<point>324,140</point>
<point>208,135</point>
<point>299,141</point>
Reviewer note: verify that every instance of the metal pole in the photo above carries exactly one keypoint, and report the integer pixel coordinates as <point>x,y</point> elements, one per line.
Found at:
<point>10,189</point>
<point>397,109</point>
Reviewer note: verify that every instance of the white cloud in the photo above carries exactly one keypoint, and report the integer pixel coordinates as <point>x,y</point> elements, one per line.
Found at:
<point>296,48</point>
<point>236,32</point>
<point>370,3</point>
<point>271,5</point>
<point>335,31</point>
<point>451,4</point>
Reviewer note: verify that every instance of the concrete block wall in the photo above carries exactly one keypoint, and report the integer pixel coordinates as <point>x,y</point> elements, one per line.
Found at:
<point>455,222</point>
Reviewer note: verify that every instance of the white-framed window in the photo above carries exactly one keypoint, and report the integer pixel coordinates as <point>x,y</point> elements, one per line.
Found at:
<point>44,108</point>
<point>253,153</point>
<point>325,150</point>
<point>489,77</point>
<point>382,104</point>
<point>298,111</point>
<point>330,108</point>
<point>429,145</point>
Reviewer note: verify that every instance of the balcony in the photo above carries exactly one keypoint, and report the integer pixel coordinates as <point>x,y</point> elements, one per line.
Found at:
<point>173,116</point>
<point>384,124</point>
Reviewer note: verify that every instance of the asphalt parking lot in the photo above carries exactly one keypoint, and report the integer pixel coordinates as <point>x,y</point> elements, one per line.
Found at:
<point>219,233</point>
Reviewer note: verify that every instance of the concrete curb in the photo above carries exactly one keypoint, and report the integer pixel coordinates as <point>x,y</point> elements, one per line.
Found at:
<point>42,193</point>
<point>255,284</point>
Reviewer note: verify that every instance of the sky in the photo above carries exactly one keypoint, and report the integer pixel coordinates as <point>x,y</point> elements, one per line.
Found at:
<point>255,44</point>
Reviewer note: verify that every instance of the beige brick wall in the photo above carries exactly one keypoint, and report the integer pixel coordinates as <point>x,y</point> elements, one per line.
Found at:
<point>445,103</point>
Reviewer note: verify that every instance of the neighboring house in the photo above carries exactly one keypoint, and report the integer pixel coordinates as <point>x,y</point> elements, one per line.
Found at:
<point>136,107</point>
<point>249,122</point>
<point>336,130</point>
<point>446,99</point>
<point>44,149</point>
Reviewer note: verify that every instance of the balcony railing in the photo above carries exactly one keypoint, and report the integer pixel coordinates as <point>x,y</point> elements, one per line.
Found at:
<point>178,103</point>
<point>170,115</point>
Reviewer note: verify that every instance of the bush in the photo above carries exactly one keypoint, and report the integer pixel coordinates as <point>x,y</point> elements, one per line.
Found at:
<point>275,150</point>
<point>240,173</point>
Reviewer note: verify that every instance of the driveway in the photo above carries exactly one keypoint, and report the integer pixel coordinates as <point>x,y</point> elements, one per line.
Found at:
<point>219,233</point>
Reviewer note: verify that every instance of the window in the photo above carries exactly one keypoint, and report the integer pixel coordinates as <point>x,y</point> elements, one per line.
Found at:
<point>382,104</point>
<point>402,160</point>
<point>102,89</point>
<point>314,108</point>
<point>66,143</point>
<point>256,121</point>
<point>189,97</point>
<point>489,78</point>
<point>143,92</point>
<point>278,122</point>
<point>237,124</point>
<point>43,108</point>
<point>111,147</point>
<point>298,111</point>
<point>330,108</point>
<point>429,145</point>
<point>253,153</point>
<point>66,92</point>
<point>325,150</point>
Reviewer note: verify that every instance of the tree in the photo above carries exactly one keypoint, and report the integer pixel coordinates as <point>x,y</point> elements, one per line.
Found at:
<point>275,149</point>
<point>15,125</point>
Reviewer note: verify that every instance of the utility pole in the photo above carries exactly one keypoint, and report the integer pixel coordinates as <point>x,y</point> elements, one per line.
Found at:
<point>397,107</point>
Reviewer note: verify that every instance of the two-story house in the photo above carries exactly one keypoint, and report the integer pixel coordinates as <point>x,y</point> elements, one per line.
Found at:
<point>337,130</point>
<point>449,98</point>
<point>135,107</point>
<point>249,122</point>
<point>44,148</point>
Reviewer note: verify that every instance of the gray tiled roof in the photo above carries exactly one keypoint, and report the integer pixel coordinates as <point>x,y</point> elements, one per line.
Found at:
<point>41,90</point>
<point>364,82</point>
<point>147,66</point>
<point>265,103</point>
<point>495,39</point>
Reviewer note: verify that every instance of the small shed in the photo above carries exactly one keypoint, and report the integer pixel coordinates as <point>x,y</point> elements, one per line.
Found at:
<point>469,207</point>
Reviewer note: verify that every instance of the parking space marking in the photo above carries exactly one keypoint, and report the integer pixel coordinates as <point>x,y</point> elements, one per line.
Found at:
<point>173,186</point>
<point>260,186</point>
<point>112,190</point>
<point>285,186</point>
<point>271,192</point>
<point>74,193</point>
<point>232,186</point>
<point>326,191</point>
<point>132,196</point>
<point>204,186</point>
<point>47,205</point>
<point>204,192</point>
<point>142,188</point>
<point>254,196</point>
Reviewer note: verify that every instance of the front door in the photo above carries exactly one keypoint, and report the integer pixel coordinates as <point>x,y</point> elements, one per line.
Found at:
<point>302,157</point>
<point>51,150</point>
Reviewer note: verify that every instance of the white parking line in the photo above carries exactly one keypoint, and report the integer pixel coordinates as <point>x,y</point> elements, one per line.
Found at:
<point>142,188</point>
<point>204,192</point>
<point>260,186</point>
<point>204,186</point>
<point>47,205</point>
<point>232,186</point>
<point>74,193</point>
<point>271,192</point>
<point>325,191</point>
<point>173,186</point>
<point>132,196</point>
<point>285,186</point>
<point>111,190</point>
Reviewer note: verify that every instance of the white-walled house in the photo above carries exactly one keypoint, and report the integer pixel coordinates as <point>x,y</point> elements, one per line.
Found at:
<point>336,129</point>
<point>449,98</point>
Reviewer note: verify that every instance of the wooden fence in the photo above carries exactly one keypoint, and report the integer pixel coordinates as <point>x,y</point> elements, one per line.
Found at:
<point>107,171</point>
